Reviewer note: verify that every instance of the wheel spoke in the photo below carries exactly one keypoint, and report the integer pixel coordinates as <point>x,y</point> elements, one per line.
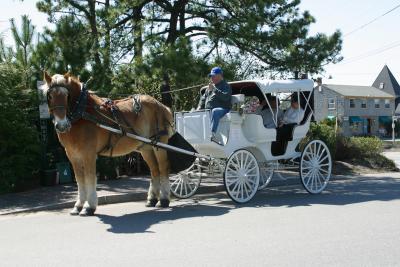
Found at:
<point>231,181</point>
<point>325,171</point>
<point>245,188</point>
<point>248,171</point>
<point>324,158</point>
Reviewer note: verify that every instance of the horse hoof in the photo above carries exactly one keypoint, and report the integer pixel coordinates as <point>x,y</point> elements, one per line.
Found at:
<point>151,202</point>
<point>87,212</point>
<point>164,203</point>
<point>75,211</point>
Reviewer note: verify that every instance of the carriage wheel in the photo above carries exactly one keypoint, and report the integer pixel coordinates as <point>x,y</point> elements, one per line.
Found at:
<point>266,173</point>
<point>241,176</point>
<point>315,166</point>
<point>185,183</point>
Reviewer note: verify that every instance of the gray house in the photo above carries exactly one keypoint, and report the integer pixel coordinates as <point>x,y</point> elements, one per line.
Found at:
<point>359,110</point>
<point>388,83</point>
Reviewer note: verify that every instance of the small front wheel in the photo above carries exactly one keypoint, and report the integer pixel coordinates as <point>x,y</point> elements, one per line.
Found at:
<point>315,166</point>
<point>185,183</point>
<point>241,176</point>
<point>266,173</point>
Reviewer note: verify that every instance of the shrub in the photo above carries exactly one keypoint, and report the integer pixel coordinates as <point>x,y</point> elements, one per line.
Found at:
<point>324,133</point>
<point>19,142</point>
<point>358,147</point>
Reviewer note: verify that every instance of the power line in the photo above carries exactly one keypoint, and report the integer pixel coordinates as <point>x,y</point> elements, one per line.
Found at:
<point>368,23</point>
<point>371,53</point>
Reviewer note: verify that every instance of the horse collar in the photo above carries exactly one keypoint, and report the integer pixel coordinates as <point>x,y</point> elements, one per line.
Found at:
<point>80,107</point>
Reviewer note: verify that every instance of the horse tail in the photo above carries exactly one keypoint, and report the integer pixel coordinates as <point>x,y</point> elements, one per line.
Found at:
<point>166,118</point>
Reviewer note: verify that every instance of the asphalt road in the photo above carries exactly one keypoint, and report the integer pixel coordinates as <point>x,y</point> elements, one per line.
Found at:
<point>353,223</point>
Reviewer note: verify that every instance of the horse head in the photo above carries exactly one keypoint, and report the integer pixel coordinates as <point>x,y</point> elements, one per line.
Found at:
<point>62,90</point>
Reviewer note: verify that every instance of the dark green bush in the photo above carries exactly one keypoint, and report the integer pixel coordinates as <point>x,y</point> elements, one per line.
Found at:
<point>19,140</point>
<point>358,147</point>
<point>323,132</point>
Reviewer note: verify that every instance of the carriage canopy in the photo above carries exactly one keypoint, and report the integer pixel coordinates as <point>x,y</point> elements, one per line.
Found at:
<point>273,86</point>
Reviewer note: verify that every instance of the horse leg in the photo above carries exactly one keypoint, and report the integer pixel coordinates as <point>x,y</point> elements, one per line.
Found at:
<point>154,189</point>
<point>79,176</point>
<point>90,182</point>
<point>163,166</point>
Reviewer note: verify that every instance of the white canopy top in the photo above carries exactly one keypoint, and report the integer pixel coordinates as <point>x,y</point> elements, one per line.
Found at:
<point>277,86</point>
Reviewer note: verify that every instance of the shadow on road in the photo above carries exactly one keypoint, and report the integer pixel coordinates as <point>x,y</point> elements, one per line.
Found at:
<point>338,192</point>
<point>140,222</point>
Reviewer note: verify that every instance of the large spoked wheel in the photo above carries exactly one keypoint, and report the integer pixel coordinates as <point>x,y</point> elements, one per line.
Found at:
<point>185,183</point>
<point>241,176</point>
<point>315,166</point>
<point>266,173</point>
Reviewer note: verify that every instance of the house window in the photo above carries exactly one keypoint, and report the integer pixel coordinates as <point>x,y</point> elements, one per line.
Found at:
<point>363,103</point>
<point>352,103</point>
<point>331,103</point>
<point>381,85</point>
<point>387,103</point>
<point>377,103</point>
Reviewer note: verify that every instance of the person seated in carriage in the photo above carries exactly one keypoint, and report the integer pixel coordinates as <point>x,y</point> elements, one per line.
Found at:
<point>268,112</point>
<point>294,114</point>
<point>292,117</point>
<point>217,98</point>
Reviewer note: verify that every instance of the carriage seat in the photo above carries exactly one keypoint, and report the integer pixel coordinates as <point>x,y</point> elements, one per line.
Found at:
<point>254,130</point>
<point>300,131</point>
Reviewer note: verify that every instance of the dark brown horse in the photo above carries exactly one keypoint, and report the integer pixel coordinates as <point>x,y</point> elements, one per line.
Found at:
<point>84,141</point>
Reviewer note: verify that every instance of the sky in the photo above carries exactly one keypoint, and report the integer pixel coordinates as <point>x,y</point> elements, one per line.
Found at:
<point>365,51</point>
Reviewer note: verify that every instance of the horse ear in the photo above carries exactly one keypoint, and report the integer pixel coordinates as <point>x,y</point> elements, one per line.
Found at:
<point>66,76</point>
<point>47,77</point>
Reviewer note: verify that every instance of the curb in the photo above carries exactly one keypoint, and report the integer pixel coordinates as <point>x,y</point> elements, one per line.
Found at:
<point>138,196</point>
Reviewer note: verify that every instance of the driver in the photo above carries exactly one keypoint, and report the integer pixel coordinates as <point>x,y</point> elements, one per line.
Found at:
<point>217,98</point>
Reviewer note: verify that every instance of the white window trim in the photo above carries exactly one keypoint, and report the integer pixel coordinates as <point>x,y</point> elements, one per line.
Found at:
<point>379,103</point>
<point>387,101</point>
<point>366,103</point>
<point>334,103</point>
<point>354,102</point>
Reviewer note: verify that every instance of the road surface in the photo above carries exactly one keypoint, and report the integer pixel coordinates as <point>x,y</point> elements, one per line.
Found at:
<point>355,222</point>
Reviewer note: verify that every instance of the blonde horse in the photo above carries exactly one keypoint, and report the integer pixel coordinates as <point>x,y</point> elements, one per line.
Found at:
<point>76,112</point>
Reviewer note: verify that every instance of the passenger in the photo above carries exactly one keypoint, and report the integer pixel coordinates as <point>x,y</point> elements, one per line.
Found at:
<point>265,111</point>
<point>217,98</point>
<point>295,114</point>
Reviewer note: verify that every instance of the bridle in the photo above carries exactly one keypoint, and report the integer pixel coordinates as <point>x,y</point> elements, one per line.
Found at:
<point>80,105</point>
<point>49,91</point>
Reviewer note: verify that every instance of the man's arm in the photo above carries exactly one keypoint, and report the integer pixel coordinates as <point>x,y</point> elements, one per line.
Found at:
<point>223,92</point>
<point>202,102</point>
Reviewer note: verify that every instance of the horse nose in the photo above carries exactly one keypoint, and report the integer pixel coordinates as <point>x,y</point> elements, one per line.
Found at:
<point>62,127</point>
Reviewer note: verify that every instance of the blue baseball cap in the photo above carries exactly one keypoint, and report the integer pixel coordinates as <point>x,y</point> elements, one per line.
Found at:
<point>215,71</point>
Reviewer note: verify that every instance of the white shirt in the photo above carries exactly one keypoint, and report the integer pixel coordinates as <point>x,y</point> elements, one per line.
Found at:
<point>268,119</point>
<point>293,115</point>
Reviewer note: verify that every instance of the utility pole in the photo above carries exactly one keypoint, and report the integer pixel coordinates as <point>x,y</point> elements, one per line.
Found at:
<point>393,137</point>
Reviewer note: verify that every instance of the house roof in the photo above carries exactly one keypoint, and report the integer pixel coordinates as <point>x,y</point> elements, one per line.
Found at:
<point>390,85</point>
<point>358,91</point>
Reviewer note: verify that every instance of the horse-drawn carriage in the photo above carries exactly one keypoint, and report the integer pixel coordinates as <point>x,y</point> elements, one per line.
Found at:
<point>245,155</point>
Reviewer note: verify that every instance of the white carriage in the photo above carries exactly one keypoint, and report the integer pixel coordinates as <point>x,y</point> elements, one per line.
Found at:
<point>245,156</point>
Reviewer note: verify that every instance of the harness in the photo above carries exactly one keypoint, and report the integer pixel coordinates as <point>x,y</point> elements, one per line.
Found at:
<point>117,120</point>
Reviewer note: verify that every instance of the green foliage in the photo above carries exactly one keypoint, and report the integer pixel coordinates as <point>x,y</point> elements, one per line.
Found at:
<point>323,132</point>
<point>57,53</point>
<point>19,143</point>
<point>359,147</point>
